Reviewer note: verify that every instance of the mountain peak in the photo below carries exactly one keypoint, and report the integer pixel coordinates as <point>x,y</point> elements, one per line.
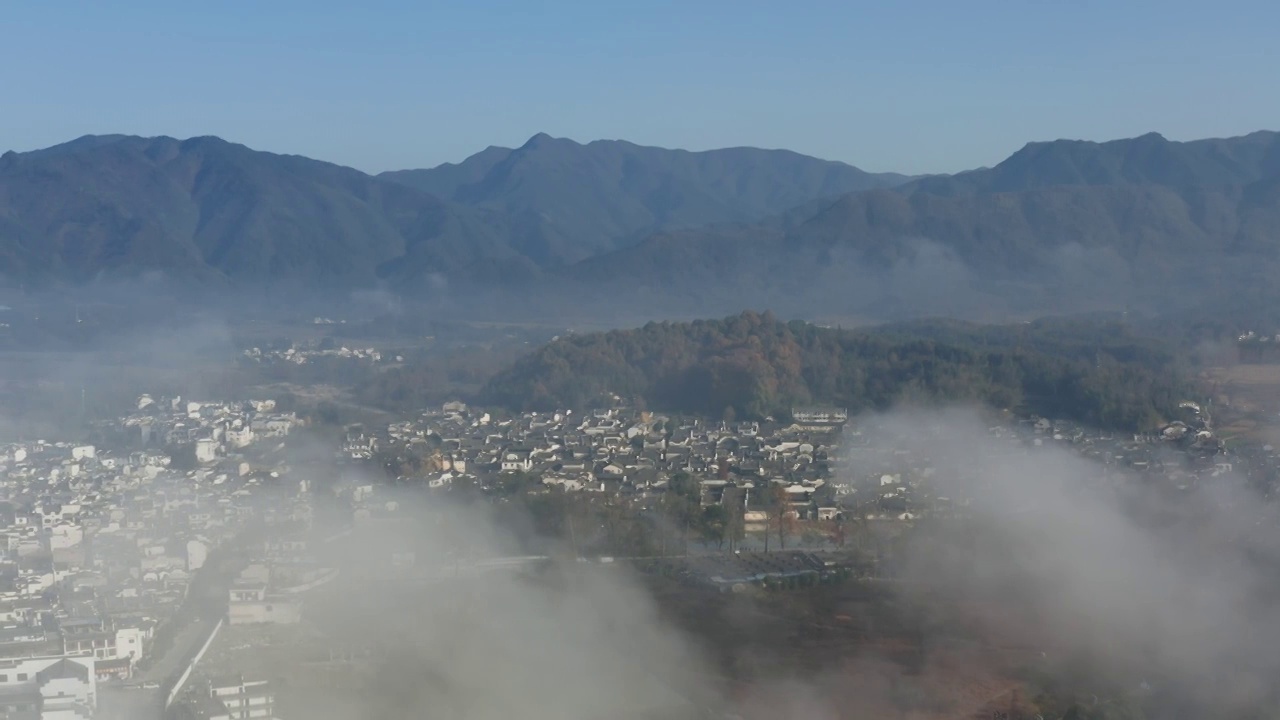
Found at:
<point>1151,138</point>
<point>538,141</point>
<point>204,141</point>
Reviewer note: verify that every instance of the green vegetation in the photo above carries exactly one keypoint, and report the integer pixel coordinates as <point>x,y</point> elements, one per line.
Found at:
<point>755,366</point>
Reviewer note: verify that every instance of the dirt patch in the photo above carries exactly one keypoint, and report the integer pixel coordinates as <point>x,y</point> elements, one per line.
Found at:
<point>855,650</point>
<point>1246,401</point>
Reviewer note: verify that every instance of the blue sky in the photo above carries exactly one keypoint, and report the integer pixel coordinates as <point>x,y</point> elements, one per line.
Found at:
<point>912,86</point>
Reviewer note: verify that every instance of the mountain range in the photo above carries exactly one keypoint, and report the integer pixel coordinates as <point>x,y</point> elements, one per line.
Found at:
<point>1141,220</point>
<point>1059,225</point>
<point>583,200</point>
<point>215,211</point>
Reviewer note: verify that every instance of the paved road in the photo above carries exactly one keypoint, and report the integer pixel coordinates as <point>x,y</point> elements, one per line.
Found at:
<point>133,702</point>
<point>184,646</point>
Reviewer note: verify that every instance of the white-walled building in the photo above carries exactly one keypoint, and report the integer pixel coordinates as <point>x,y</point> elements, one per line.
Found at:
<point>206,451</point>
<point>130,642</point>
<point>48,688</point>
<point>65,535</point>
<point>197,553</point>
<point>235,698</point>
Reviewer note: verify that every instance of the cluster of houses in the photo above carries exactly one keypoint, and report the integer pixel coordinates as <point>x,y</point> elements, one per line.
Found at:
<point>304,355</point>
<point>271,588</point>
<point>1255,347</point>
<point>907,480</point>
<point>616,451</point>
<point>213,430</point>
<point>822,466</point>
<point>99,542</point>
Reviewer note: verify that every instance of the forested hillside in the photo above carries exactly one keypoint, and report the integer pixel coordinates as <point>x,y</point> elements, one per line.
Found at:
<point>754,365</point>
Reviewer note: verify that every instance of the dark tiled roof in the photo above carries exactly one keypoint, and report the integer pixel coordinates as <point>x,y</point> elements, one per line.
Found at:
<point>63,669</point>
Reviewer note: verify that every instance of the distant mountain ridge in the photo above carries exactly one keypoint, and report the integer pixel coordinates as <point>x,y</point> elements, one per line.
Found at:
<point>1145,160</point>
<point>444,180</point>
<point>607,194</point>
<point>572,227</point>
<point>213,211</point>
<point>209,210</point>
<point>1143,220</point>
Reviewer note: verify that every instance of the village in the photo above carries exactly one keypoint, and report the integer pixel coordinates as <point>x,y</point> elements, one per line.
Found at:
<point>819,463</point>
<point>104,547</point>
<point>144,573</point>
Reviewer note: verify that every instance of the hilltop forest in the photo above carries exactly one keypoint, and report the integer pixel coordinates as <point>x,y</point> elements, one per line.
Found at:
<point>756,366</point>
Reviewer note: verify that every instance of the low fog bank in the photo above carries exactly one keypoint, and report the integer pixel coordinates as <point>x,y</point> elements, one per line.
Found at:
<point>1166,597</point>
<point>915,277</point>
<point>907,278</point>
<point>1152,587</point>
<point>464,628</point>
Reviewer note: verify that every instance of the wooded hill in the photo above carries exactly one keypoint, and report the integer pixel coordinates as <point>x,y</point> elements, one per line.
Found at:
<point>756,366</point>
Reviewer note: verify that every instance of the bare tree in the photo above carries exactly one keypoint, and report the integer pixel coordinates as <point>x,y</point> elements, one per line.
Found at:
<point>780,514</point>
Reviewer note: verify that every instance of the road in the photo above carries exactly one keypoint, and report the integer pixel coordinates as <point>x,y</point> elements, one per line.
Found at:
<point>184,646</point>
<point>208,596</point>
<point>132,701</point>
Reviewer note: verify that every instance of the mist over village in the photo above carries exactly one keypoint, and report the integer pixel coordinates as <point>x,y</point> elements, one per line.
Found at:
<point>186,555</point>
<point>575,361</point>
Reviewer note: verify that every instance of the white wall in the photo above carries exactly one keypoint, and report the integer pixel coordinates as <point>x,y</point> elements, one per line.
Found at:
<point>197,553</point>
<point>74,691</point>
<point>65,536</point>
<point>129,643</point>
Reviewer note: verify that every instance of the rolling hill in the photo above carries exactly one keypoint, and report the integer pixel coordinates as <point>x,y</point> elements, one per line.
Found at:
<point>753,365</point>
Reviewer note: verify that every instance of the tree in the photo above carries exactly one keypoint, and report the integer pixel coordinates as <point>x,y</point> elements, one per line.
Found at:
<point>714,525</point>
<point>780,514</point>
<point>328,413</point>
<point>183,457</point>
<point>680,507</point>
<point>682,483</point>
<point>835,532</point>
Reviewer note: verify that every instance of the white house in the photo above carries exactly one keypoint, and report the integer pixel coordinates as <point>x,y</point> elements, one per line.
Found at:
<point>129,642</point>
<point>48,687</point>
<point>65,535</point>
<point>206,450</point>
<point>238,698</point>
<point>516,462</point>
<point>240,437</point>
